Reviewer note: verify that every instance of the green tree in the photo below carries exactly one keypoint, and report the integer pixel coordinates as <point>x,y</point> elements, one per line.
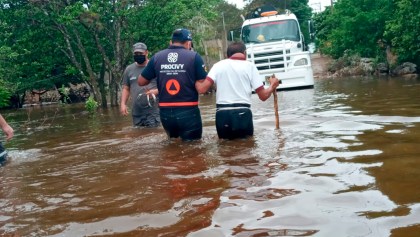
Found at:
<point>29,60</point>
<point>402,31</point>
<point>355,26</point>
<point>228,19</point>
<point>6,72</point>
<point>367,29</point>
<point>85,38</point>
<point>303,13</point>
<point>50,43</point>
<point>158,19</point>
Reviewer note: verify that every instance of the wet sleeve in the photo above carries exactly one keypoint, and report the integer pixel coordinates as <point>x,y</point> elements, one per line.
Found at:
<point>200,68</point>
<point>149,72</point>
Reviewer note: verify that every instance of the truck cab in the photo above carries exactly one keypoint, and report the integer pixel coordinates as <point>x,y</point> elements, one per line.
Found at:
<point>275,44</point>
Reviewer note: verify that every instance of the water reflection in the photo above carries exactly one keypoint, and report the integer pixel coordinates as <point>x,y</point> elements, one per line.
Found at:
<point>344,163</point>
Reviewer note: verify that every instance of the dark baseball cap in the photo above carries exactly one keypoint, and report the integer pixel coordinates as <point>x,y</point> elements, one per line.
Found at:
<point>181,35</point>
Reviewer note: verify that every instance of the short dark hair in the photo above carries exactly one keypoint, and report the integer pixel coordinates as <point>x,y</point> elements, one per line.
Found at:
<point>235,47</point>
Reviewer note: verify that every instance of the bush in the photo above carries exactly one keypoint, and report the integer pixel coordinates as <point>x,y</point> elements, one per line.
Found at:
<point>4,96</point>
<point>91,105</point>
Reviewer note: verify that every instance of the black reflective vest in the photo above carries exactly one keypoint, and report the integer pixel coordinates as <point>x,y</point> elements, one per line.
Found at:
<point>175,71</point>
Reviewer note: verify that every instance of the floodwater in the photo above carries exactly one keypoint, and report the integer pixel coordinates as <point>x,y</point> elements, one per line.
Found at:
<point>345,162</point>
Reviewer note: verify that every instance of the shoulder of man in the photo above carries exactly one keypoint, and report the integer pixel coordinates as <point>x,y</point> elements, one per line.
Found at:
<point>127,69</point>
<point>130,66</point>
<point>159,54</point>
<point>222,63</point>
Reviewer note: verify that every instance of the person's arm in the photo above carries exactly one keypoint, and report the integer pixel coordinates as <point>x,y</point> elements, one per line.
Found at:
<point>265,93</point>
<point>8,131</point>
<point>124,98</point>
<point>147,74</point>
<point>142,81</point>
<point>125,93</point>
<point>202,86</point>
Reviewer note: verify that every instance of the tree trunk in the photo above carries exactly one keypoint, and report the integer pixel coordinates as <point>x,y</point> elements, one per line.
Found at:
<point>101,84</point>
<point>92,76</point>
<point>92,80</point>
<point>113,91</point>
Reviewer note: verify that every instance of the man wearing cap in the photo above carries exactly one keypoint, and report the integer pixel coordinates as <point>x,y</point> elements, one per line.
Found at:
<point>145,111</point>
<point>177,70</point>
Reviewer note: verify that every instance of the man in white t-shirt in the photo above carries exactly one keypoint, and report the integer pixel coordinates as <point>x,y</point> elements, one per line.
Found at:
<point>235,78</point>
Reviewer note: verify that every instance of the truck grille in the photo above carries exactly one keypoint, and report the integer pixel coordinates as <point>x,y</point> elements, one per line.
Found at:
<point>270,60</point>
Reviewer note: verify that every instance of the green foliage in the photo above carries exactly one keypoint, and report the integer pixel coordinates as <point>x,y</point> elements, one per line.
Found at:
<point>91,105</point>
<point>4,95</point>
<point>47,44</point>
<point>65,91</point>
<point>56,42</point>
<point>299,7</point>
<point>154,22</point>
<point>367,28</point>
<point>33,58</point>
<point>354,25</point>
<point>231,17</point>
<point>303,12</point>
<point>402,30</point>
<point>281,5</point>
<point>7,67</point>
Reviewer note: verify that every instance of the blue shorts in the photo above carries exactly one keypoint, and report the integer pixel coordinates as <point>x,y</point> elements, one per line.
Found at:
<point>184,122</point>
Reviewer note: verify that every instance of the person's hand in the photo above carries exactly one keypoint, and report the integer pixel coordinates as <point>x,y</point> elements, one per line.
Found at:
<point>274,82</point>
<point>8,131</point>
<point>123,109</point>
<point>153,91</point>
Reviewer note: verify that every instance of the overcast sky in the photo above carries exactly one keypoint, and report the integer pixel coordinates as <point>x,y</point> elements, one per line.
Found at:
<point>315,4</point>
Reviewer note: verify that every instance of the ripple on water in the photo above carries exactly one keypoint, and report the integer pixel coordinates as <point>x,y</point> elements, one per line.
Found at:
<point>340,125</point>
<point>21,156</point>
<point>119,224</point>
<point>313,176</point>
<point>324,191</point>
<point>397,131</point>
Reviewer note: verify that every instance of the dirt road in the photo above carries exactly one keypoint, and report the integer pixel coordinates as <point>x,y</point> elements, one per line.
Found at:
<point>320,64</point>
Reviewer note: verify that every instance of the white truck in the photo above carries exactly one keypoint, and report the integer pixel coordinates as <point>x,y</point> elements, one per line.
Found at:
<point>275,44</point>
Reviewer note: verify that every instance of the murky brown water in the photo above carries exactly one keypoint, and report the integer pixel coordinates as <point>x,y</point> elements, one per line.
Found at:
<point>345,162</point>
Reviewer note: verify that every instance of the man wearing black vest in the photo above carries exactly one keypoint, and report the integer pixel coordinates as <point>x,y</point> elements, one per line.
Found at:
<point>178,70</point>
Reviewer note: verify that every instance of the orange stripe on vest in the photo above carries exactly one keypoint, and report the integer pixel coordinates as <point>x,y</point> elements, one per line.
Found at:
<point>164,104</point>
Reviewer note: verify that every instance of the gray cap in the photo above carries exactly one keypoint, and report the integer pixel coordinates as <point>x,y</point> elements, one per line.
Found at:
<point>139,47</point>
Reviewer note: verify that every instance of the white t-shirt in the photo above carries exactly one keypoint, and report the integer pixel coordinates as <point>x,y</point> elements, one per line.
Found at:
<point>235,79</point>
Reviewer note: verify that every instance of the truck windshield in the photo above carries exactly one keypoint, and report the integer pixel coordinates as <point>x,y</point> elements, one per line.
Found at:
<point>271,31</point>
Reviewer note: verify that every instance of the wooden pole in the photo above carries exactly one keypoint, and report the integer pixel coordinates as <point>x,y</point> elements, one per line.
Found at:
<point>276,107</point>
